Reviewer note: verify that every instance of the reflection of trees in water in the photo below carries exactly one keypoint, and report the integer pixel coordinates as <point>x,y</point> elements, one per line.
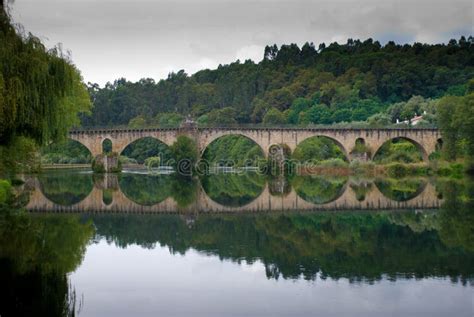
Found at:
<point>457,213</point>
<point>319,189</point>
<point>149,190</point>
<point>401,189</point>
<point>68,188</point>
<point>357,246</point>
<point>361,189</point>
<point>146,190</point>
<point>65,188</point>
<point>36,254</point>
<point>279,186</point>
<point>34,293</point>
<point>234,189</point>
<point>184,190</point>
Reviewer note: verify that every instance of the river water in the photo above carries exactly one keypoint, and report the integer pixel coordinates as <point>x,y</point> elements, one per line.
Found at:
<point>237,245</point>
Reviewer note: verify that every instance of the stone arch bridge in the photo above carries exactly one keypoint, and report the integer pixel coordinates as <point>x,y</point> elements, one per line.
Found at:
<point>426,140</point>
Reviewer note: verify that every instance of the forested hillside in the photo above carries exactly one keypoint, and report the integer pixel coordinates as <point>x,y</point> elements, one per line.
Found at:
<point>292,85</point>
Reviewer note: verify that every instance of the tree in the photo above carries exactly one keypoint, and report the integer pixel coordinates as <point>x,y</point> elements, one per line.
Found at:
<point>274,116</point>
<point>319,114</point>
<point>270,52</point>
<point>137,122</point>
<point>185,153</point>
<point>224,116</point>
<point>379,120</point>
<point>41,91</point>
<point>280,98</point>
<point>298,105</point>
<point>446,110</point>
<point>465,119</point>
<point>342,115</point>
<point>169,120</point>
<point>153,161</point>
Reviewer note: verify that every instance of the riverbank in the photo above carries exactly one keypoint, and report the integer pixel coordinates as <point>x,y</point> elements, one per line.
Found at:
<point>395,169</point>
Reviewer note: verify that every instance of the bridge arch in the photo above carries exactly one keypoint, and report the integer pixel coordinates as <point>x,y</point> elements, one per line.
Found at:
<point>393,188</point>
<point>419,147</point>
<point>123,143</point>
<point>148,146</point>
<point>107,145</point>
<point>69,151</point>
<point>332,139</point>
<point>209,141</point>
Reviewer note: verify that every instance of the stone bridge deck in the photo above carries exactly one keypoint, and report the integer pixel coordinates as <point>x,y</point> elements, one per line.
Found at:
<point>425,139</point>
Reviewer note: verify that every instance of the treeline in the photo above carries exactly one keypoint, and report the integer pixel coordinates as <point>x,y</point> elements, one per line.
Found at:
<point>293,85</point>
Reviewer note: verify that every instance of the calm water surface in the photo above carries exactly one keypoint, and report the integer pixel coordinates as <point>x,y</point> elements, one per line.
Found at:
<point>92,246</point>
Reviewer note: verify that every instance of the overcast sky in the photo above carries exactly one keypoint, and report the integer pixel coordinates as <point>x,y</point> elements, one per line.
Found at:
<point>149,38</point>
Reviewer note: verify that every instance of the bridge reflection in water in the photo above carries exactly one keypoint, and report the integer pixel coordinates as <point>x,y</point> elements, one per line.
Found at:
<point>107,196</point>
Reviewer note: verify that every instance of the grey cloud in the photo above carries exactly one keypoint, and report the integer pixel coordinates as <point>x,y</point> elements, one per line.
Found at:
<point>145,38</point>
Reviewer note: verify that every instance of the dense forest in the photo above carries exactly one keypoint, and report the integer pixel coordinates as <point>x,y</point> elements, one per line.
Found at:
<point>293,85</point>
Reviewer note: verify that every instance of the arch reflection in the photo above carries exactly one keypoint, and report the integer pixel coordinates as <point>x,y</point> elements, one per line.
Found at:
<point>65,189</point>
<point>133,192</point>
<point>234,190</point>
<point>319,189</point>
<point>146,189</point>
<point>401,189</point>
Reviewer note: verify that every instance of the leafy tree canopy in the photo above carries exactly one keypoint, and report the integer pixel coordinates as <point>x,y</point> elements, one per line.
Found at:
<point>353,81</point>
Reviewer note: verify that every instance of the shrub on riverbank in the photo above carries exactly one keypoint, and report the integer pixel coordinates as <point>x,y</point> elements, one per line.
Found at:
<point>455,169</point>
<point>19,157</point>
<point>127,160</point>
<point>98,164</point>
